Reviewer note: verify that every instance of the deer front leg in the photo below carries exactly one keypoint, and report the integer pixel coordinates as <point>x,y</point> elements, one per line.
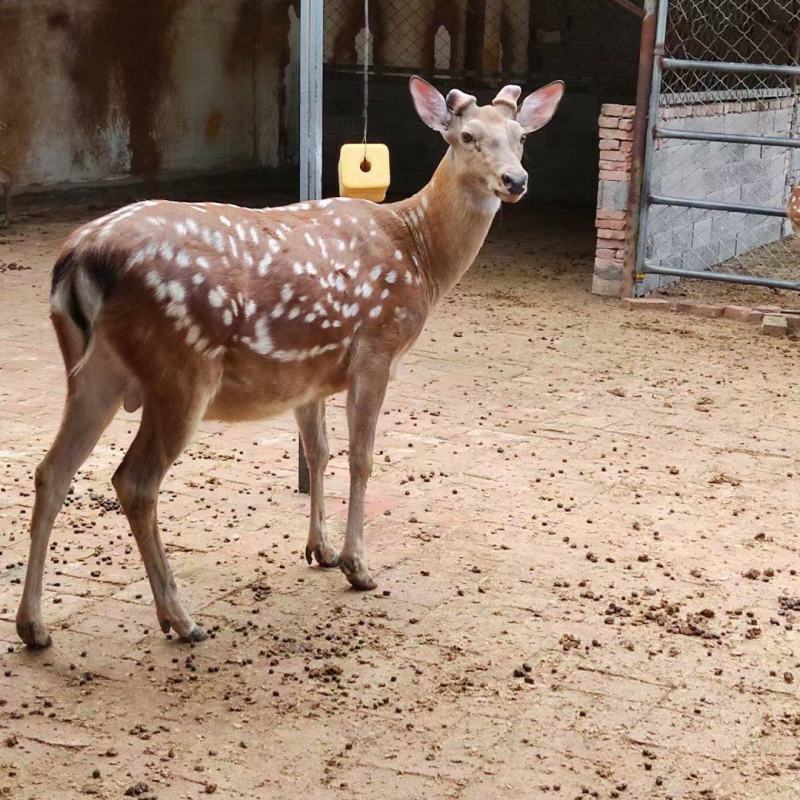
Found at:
<point>311,422</point>
<point>364,400</point>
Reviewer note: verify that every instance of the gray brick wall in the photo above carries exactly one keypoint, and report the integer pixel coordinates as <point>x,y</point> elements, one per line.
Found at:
<point>730,173</point>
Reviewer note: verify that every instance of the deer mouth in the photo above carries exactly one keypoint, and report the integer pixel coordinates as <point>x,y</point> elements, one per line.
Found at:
<point>507,197</point>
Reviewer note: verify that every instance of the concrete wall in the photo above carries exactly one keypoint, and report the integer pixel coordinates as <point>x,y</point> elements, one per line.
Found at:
<point>92,90</point>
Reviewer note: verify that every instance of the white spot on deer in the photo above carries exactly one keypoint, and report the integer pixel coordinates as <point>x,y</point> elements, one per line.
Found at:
<point>248,259</point>
<point>262,343</point>
<point>322,248</point>
<point>157,221</point>
<point>198,278</point>
<point>277,312</point>
<point>165,251</point>
<point>249,308</point>
<point>363,289</point>
<point>310,268</point>
<point>153,280</point>
<point>337,323</point>
<point>375,272</point>
<point>400,312</point>
<point>180,229</point>
<point>281,235</point>
<point>391,276</point>
<point>218,241</point>
<point>310,317</point>
<point>305,206</point>
<point>201,344</point>
<point>176,291</point>
<point>216,296</point>
<point>337,221</point>
<point>224,220</point>
<point>309,238</point>
<point>398,255</point>
<point>297,268</point>
<point>273,245</point>
<point>326,323</point>
<point>179,312</point>
<point>263,265</point>
<point>376,311</point>
<point>182,258</point>
<point>323,203</point>
<point>384,294</point>
<point>340,245</point>
<point>227,317</point>
<point>234,247</point>
<point>253,235</point>
<point>192,334</point>
<point>287,292</point>
<point>202,262</point>
<point>294,312</point>
<point>408,277</point>
<point>191,225</point>
<point>353,242</point>
<point>138,257</point>
<point>349,310</point>
<point>240,231</point>
<point>340,283</point>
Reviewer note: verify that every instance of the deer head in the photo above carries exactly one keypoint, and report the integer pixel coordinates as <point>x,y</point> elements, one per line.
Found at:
<point>486,142</point>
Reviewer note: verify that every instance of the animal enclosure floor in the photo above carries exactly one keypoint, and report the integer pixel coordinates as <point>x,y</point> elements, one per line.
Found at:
<point>583,521</point>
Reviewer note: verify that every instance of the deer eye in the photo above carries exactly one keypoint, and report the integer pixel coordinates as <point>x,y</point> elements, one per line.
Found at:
<point>467,137</point>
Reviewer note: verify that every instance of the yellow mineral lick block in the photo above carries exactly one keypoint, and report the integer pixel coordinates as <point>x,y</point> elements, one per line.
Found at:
<point>364,175</point>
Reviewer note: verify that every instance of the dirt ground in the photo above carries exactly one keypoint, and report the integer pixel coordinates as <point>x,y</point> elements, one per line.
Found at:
<point>584,526</point>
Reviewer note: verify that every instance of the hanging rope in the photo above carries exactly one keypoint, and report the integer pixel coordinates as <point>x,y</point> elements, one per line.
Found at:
<point>366,73</point>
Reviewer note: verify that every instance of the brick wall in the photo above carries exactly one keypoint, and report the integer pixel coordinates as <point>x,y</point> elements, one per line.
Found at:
<point>723,172</point>
<point>616,143</point>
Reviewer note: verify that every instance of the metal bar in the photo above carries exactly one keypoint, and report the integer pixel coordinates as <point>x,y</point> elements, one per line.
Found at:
<point>734,138</point>
<point>311,57</point>
<point>628,5</point>
<point>652,116</point>
<point>647,40</point>
<point>730,66</point>
<point>711,205</point>
<point>724,277</point>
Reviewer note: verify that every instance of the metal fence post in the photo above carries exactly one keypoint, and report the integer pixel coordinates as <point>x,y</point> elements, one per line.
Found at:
<point>640,250</point>
<point>644,84</point>
<point>311,58</point>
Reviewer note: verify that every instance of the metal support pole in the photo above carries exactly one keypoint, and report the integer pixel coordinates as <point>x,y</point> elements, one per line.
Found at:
<point>643,88</point>
<point>647,166</point>
<point>311,56</point>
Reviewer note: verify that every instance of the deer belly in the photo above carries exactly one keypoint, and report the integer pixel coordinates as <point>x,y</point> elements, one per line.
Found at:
<point>246,396</point>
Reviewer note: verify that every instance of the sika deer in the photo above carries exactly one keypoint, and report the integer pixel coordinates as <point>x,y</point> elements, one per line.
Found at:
<point>209,311</point>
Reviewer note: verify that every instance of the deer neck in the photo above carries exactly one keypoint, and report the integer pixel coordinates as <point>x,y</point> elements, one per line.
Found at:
<point>449,221</point>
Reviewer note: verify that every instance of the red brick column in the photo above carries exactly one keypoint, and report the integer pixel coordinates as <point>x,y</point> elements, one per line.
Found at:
<point>616,144</point>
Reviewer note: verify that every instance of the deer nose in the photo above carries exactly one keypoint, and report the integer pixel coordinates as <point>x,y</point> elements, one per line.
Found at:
<point>515,183</point>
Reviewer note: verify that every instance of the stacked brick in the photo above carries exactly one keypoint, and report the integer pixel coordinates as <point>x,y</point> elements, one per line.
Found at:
<point>616,144</point>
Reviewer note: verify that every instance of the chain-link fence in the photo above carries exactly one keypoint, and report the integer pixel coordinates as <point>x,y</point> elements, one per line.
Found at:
<point>737,121</point>
<point>477,46</point>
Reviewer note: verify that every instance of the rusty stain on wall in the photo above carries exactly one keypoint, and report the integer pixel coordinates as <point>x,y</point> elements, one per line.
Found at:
<point>16,117</point>
<point>125,48</point>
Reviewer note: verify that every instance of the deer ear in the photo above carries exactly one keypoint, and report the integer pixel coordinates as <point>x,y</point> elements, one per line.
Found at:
<point>538,108</point>
<point>429,103</point>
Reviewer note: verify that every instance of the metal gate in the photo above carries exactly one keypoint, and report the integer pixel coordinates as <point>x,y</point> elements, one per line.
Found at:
<point>722,145</point>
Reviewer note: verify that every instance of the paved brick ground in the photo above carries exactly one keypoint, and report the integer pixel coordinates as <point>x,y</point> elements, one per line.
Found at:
<point>562,488</point>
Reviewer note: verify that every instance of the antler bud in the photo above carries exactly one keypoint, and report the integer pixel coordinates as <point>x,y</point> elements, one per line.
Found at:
<point>506,99</point>
<point>458,102</point>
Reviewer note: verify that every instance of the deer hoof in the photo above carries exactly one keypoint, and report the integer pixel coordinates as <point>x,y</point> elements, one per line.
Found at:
<point>197,634</point>
<point>357,574</point>
<point>34,634</point>
<point>324,555</point>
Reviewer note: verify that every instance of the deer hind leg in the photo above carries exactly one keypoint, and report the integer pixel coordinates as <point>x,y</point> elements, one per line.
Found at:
<point>364,400</point>
<point>93,396</point>
<point>311,422</point>
<point>168,421</point>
